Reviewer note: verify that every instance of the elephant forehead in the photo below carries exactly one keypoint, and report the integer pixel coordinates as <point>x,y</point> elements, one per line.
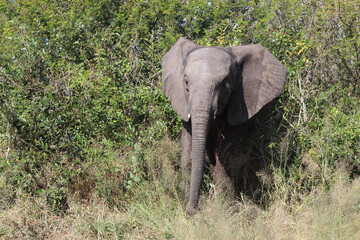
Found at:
<point>206,69</point>
<point>208,61</point>
<point>210,54</point>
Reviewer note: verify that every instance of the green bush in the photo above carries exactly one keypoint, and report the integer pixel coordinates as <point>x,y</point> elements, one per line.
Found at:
<point>80,88</point>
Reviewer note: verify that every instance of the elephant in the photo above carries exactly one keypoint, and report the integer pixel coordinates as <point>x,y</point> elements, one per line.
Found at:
<point>214,90</point>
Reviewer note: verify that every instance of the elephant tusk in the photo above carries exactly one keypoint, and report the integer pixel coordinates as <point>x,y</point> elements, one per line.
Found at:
<point>189,115</point>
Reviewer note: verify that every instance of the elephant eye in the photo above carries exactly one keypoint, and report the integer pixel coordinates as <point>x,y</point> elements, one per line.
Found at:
<point>186,83</point>
<point>224,83</point>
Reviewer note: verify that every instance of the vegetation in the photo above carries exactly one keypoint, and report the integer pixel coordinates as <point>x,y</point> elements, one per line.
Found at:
<point>89,146</point>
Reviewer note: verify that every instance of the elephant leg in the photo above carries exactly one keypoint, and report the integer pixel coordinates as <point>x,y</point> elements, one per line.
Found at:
<point>231,161</point>
<point>228,161</point>
<point>221,176</point>
<point>186,157</point>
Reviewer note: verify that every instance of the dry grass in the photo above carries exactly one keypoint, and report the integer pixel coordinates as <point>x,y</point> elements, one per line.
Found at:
<point>155,211</point>
<point>31,219</point>
<point>332,215</point>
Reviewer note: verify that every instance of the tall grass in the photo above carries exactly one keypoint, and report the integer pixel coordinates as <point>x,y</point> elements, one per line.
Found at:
<point>154,208</point>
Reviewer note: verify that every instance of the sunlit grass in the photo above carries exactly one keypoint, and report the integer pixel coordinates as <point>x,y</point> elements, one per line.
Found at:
<point>155,211</point>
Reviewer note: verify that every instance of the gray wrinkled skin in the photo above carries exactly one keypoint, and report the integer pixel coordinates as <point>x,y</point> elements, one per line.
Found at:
<point>214,90</point>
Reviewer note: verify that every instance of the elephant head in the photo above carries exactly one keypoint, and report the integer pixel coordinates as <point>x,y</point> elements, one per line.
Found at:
<point>204,82</point>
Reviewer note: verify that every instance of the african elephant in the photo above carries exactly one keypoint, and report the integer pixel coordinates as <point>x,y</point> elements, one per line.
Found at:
<point>216,89</point>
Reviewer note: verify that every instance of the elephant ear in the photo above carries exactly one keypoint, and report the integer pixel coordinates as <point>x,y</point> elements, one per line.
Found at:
<point>260,78</point>
<point>172,80</point>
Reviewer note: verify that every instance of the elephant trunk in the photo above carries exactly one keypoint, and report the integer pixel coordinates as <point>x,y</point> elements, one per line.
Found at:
<point>200,115</point>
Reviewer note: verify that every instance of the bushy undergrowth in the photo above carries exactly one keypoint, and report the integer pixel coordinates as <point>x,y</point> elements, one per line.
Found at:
<point>89,146</point>
<point>153,208</point>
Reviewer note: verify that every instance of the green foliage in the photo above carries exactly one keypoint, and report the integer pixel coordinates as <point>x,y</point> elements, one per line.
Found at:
<point>82,109</point>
